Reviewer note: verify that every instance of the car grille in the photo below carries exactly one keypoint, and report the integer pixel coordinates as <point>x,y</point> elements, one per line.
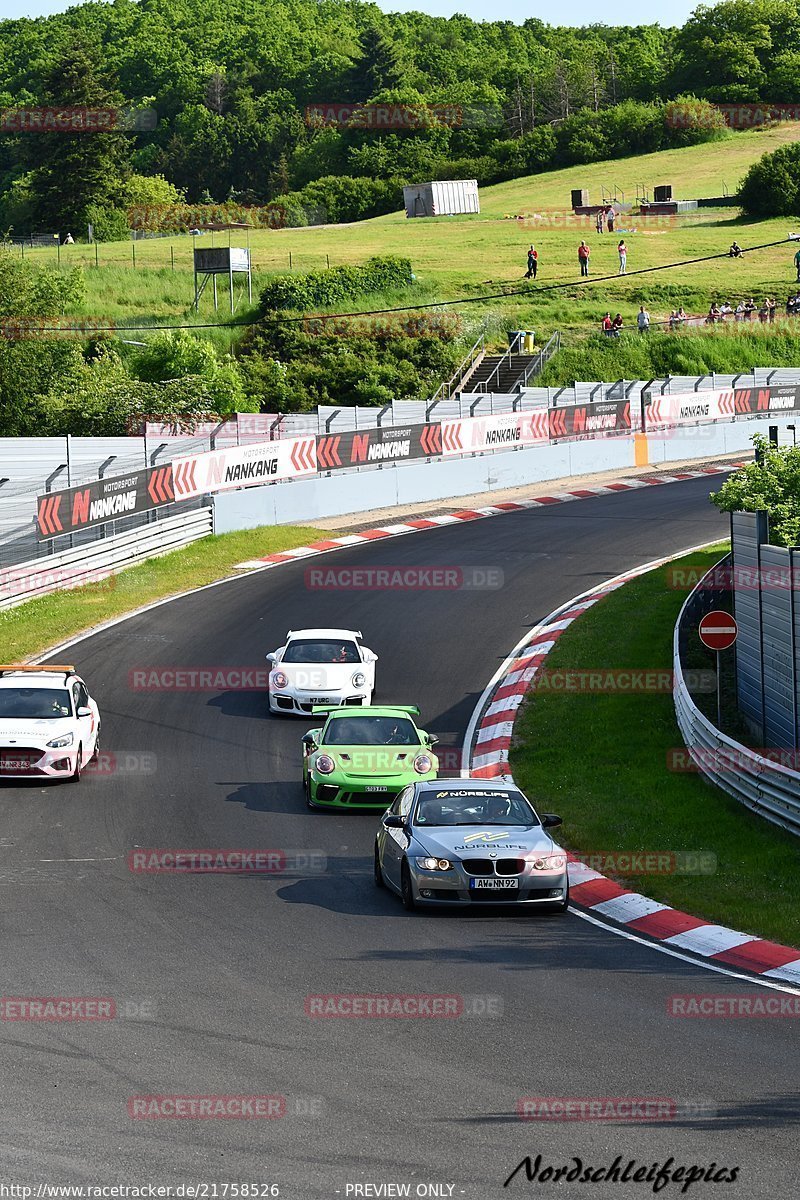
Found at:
<point>490,866</point>
<point>16,760</point>
<point>329,792</point>
<point>489,896</point>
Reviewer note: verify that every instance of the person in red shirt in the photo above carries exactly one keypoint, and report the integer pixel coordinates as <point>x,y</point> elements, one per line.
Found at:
<point>608,325</point>
<point>583,258</point>
<point>533,262</point>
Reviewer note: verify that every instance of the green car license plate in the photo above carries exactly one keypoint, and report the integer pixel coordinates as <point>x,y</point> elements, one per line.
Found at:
<point>375,787</point>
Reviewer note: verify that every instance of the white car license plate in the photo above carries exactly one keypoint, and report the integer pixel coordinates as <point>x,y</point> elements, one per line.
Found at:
<point>321,700</point>
<point>495,884</point>
<point>375,787</point>
<point>15,764</point>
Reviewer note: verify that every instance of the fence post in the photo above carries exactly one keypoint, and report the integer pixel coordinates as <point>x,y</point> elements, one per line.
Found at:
<point>133,252</point>
<point>172,256</point>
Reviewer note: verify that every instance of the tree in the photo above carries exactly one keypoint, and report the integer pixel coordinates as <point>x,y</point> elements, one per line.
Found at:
<point>771,188</point>
<point>381,64</point>
<point>771,484</point>
<point>72,171</point>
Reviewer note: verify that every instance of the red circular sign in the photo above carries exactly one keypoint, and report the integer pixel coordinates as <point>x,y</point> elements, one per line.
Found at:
<point>718,630</point>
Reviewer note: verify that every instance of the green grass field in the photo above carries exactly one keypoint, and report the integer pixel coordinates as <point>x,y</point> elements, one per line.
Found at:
<point>616,792</point>
<point>456,257</point>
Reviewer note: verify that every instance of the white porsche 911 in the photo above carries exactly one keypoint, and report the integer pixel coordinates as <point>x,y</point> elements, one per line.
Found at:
<point>320,666</point>
<point>49,724</point>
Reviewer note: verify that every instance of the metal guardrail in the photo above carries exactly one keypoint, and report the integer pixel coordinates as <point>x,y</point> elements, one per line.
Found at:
<point>763,786</point>
<point>97,560</point>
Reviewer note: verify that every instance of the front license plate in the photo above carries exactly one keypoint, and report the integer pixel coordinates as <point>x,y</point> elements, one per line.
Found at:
<point>501,885</point>
<point>15,764</point>
<point>375,787</point>
<point>320,700</point>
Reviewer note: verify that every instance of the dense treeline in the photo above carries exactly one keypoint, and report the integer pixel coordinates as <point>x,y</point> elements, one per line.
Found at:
<point>230,84</point>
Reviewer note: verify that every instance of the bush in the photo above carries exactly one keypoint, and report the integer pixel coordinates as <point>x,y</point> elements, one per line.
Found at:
<point>320,289</point>
<point>771,187</point>
<point>108,224</point>
<point>772,485</point>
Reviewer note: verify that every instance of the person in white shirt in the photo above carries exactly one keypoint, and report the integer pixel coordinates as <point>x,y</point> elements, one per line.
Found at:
<point>643,319</point>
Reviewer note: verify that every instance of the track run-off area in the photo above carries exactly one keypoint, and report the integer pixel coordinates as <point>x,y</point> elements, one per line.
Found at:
<point>211,974</point>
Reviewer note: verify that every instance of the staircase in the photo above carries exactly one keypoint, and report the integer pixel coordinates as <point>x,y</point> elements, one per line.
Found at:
<point>499,372</point>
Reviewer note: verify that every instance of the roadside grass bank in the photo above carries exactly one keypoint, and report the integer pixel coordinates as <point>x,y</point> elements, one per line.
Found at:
<point>602,760</point>
<point>48,620</point>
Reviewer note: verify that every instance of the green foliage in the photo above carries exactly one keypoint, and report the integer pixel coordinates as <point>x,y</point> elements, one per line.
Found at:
<point>171,356</point>
<point>772,485</point>
<point>294,368</point>
<point>108,224</point>
<point>771,188</point>
<point>321,289</point>
<point>71,172</point>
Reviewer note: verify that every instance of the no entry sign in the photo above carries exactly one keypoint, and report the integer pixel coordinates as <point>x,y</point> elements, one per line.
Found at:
<point>718,630</point>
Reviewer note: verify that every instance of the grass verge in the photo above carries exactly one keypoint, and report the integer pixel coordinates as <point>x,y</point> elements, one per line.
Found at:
<point>38,624</point>
<point>600,759</point>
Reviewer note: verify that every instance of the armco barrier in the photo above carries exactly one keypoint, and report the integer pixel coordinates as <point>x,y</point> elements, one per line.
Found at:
<point>97,560</point>
<point>765,787</point>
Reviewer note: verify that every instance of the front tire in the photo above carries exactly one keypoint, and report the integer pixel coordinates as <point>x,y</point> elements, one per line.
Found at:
<point>96,751</point>
<point>406,889</point>
<point>76,774</point>
<point>307,793</point>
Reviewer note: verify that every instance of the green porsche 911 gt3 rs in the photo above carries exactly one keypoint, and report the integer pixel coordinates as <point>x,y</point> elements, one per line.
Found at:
<point>362,758</point>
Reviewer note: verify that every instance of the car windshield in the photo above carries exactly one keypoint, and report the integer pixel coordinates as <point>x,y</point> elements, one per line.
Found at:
<point>475,808</point>
<point>307,650</point>
<point>41,704</point>
<point>371,731</point>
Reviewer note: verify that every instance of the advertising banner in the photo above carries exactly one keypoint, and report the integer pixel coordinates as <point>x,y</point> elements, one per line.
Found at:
<point>689,408</point>
<point>473,435</point>
<point>241,466</point>
<point>589,420</point>
<point>103,500</point>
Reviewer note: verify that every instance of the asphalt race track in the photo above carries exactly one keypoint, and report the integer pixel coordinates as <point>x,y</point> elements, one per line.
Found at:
<point>210,973</point>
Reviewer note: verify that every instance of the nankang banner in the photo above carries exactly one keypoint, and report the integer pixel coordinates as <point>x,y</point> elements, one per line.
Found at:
<point>590,420</point>
<point>241,466</point>
<point>689,408</point>
<point>366,447</point>
<point>103,500</point>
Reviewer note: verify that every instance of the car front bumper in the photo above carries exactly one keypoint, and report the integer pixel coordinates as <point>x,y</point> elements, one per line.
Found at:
<point>302,703</point>
<point>37,762</point>
<point>457,887</point>
<point>343,791</point>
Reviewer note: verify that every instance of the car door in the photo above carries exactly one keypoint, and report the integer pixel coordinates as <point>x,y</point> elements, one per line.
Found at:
<point>395,841</point>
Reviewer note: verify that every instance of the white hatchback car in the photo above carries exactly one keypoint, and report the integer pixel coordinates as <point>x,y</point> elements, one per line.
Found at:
<point>49,724</point>
<point>320,666</point>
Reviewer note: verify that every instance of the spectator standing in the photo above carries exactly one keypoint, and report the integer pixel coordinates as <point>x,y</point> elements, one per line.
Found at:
<point>674,319</point>
<point>533,263</point>
<point>797,263</point>
<point>583,258</point>
<point>749,308</point>
<point>763,312</point>
<point>611,217</point>
<point>608,325</point>
<point>681,313</point>
<point>643,319</point>
<point>738,312</point>
<point>616,325</point>
<point>622,251</point>
<point>598,224</point>
<point>772,304</point>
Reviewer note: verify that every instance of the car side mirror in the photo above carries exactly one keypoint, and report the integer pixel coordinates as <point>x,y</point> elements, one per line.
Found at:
<point>309,741</point>
<point>84,712</point>
<point>368,655</point>
<point>392,821</point>
<point>433,739</point>
<point>273,658</point>
<point>550,820</point>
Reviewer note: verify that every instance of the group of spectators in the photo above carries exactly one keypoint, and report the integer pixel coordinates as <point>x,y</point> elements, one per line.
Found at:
<point>743,311</point>
<point>611,327</point>
<point>584,254</point>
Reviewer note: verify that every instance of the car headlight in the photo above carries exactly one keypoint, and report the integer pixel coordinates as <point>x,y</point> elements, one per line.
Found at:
<point>423,763</point>
<point>279,679</point>
<point>359,679</point>
<point>65,740</point>
<point>324,764</point>
<point>433,864</point>
<point>554,862</point>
